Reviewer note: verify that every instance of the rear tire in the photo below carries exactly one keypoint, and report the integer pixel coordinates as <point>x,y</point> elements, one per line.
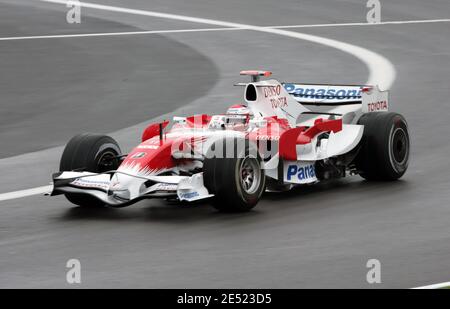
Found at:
<point>91,153</point>
<point>237,183</point>
<point>384,154</point>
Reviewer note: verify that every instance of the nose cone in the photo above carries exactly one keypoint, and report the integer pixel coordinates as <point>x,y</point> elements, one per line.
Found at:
<point>126,187</point>
<point>149,158</point>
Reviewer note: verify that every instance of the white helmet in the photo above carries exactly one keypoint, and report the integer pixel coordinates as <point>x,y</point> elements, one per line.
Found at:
<point>239,110</point>
<point>238,116</point>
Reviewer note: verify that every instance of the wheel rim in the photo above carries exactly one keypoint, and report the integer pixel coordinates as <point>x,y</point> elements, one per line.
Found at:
<point>250,175</point>
<point>399,146</point>
<point>107,161</point>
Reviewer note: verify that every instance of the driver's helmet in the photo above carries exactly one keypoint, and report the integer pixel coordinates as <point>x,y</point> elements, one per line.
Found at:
<point>239,110</point>
<point>238,115</point>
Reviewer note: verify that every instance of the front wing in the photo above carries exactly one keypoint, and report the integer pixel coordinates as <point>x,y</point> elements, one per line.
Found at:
<point>117,189</point>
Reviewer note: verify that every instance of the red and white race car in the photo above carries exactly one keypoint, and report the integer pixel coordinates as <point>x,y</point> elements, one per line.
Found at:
<point>278,139</point>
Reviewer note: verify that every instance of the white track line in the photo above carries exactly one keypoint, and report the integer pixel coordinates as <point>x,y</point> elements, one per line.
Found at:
<point>83,35</point>
<point>381,70</point>
<point>433,286</point>
<point>25,193</point>
<point>393,22</point>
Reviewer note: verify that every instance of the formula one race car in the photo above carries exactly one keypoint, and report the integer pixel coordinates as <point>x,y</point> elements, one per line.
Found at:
<point>277,140</point>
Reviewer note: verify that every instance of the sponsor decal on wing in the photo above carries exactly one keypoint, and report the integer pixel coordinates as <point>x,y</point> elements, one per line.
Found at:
<point>375,100</point>
<point>298,172</point>
<point>189,195</point>
<point>165,187</point>
<point>324,94</point>
<point>91,183</point>
<point>377,106</point>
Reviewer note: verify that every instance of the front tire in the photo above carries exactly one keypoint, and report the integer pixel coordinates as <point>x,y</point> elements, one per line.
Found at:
<point>237,183</point>
<point>384,153</point>
<point>91,153</point>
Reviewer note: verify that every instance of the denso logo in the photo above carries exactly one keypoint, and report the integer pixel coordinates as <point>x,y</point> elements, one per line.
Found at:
<point>300,172</point>
<point>272,91</point>
<point>323,93</point>
<point>267,137</point>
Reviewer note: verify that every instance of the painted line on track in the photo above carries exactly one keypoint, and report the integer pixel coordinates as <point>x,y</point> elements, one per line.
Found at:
<point>434,286</point>
<point>25,193</point>
<point>392,22</point>
<point>83,35</point>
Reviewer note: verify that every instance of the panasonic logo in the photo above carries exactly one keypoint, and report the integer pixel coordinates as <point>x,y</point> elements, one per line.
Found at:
<point>323,93</point>
<point>301,172</point>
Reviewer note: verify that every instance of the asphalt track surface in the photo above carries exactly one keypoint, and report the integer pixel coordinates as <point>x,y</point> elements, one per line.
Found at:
<point>315,237</point>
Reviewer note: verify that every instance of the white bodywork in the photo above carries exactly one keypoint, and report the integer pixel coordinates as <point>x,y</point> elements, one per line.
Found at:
<point>272,99</point>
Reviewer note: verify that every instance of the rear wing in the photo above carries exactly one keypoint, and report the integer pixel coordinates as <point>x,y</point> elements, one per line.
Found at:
<point>364,98</point>
<point>270,98</point>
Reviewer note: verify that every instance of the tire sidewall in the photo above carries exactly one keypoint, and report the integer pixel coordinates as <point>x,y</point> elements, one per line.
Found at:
<point>398,168</point>
<point>84,151</point>
<point>222,178</point>
<point>253,198</point>
<point>375,160</point>
<point>103,146</point>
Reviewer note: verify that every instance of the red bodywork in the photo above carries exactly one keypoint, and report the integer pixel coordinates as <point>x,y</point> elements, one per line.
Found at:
<point>155,152</point>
